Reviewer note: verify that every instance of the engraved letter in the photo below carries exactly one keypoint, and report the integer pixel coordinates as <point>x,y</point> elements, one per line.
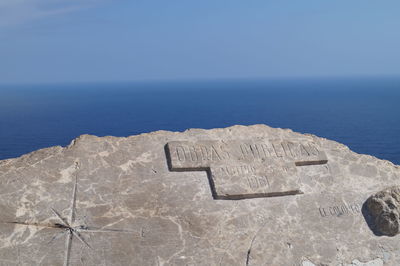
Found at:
<point>193,154</point>
<point>322,212</point>
<point>214,154</point>
<point>180,151</point>
<point>278,150</point>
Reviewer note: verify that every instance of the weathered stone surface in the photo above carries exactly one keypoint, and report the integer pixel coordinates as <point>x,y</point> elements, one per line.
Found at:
<point>384,206</point>
<point>236,196</point>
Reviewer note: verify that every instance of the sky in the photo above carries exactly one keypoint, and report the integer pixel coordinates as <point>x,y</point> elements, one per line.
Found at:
<point>56,41</point>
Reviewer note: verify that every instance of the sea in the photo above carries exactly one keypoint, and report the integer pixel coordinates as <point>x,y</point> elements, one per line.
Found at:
<point>362,113</point>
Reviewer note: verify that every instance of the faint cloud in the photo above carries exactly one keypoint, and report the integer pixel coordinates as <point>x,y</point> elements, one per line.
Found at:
<point>14,12</point>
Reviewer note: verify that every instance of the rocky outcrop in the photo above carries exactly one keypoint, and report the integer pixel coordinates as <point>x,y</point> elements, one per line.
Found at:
<point>243,195</point>
<point>385,207</point>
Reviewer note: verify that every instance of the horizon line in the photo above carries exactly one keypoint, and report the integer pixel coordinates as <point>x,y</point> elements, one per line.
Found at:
<point>201,80</point>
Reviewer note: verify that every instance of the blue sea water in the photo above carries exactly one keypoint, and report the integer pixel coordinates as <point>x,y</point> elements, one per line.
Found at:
<point>364,114</point>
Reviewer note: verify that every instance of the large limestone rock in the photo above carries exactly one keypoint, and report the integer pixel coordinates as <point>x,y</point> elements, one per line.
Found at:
<point>236,196</point>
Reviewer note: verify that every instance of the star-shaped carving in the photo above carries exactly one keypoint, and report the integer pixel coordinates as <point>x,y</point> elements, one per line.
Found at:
<point>70,228</point>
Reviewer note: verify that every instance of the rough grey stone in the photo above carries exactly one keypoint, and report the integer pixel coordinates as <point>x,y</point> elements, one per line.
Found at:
<point>385,207</point>
<point>243,195</point>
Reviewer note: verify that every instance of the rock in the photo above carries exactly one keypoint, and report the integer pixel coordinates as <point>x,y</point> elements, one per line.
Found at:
<point>243,195</point>
<point>384,207</point>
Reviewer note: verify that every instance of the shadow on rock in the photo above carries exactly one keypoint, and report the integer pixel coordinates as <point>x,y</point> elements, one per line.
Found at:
<point>369,219</point>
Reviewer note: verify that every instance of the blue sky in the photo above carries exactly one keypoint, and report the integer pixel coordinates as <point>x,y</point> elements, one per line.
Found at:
<point>46,41</point>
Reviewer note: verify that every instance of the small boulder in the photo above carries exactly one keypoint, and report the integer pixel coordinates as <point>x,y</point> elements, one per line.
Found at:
<point>384,206</point>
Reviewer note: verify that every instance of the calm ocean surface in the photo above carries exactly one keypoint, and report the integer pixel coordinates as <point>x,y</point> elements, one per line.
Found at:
<point>364,114</point>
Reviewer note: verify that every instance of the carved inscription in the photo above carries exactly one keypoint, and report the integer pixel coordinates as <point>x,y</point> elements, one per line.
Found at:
<point>246,169</point>
<point>340,210</point>
<point>279,149</point>
<point>210,151</point>
<point>195,153</point>
<point>256,182</point>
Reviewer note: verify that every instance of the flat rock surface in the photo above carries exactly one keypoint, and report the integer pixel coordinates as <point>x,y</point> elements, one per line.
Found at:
<point>244,195</point>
